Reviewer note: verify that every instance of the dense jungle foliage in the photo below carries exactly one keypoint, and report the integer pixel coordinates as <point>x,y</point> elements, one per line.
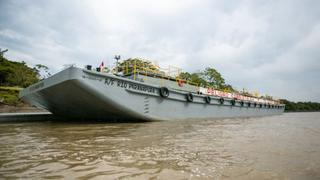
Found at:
<point>16,75</point>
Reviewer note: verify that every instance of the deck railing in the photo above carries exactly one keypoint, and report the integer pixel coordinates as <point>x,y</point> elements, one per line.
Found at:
<point>163,74</point>
<point>171,73</point>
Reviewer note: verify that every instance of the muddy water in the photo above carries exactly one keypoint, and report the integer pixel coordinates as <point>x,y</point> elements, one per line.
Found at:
<point>283,147</point>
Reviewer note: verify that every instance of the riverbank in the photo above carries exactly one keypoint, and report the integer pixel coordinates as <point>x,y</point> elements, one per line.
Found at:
<point>10,102</point>
<point>19,108</point>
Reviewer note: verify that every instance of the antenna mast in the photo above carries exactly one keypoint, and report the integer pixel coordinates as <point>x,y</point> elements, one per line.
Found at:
<point>117,58</point>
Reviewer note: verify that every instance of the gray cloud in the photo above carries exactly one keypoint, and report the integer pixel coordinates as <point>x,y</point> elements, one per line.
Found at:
<point>270,47</point>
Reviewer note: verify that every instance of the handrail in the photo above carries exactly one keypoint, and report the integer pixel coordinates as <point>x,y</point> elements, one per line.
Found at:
<point>136,69</point>
<point>148,72</point>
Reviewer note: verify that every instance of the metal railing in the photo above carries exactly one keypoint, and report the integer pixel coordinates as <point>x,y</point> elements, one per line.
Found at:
<point>162,73</point>
<point>171,73</point>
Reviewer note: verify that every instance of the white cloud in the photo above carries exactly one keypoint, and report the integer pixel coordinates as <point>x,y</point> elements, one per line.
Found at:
<point>266,46</point>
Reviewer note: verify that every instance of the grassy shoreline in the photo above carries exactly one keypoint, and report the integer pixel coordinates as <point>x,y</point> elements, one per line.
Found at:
<point>10,95</point>
<point>10,102</point>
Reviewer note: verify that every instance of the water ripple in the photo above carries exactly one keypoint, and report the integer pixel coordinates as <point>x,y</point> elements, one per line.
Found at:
<point>284,146</point>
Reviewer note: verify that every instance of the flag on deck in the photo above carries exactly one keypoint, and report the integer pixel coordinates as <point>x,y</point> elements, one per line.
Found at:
<point>101,65</point>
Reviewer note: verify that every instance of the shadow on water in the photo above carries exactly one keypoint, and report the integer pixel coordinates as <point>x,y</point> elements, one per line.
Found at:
<point>35,117</point>
<point>31,118</point>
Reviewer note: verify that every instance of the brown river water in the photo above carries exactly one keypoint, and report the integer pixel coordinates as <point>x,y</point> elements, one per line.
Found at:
<point>276,147</point>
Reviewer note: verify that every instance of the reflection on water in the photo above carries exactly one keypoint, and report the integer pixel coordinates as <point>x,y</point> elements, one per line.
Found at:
<point>286,146</point>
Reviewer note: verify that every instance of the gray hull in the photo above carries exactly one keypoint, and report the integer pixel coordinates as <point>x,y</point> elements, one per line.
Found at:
<point>81,94</point>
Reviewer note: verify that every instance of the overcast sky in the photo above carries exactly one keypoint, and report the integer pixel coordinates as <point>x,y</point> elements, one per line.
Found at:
<point>271,47</point>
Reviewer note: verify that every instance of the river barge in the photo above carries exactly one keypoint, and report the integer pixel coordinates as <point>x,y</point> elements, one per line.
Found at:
<point>86,94</point>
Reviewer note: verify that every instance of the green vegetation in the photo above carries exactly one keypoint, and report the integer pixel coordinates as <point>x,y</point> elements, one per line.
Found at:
<point>195,78</point>
<point>210,77</point>
<point>9,95</point>
<point>214,78</point>
<point>16,75</point>
<point>300,106</point>
<point>127,66</point>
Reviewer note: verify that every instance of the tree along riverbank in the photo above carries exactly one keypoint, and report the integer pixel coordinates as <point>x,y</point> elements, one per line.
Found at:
<point>14,76</point>
<point>300,106</point>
